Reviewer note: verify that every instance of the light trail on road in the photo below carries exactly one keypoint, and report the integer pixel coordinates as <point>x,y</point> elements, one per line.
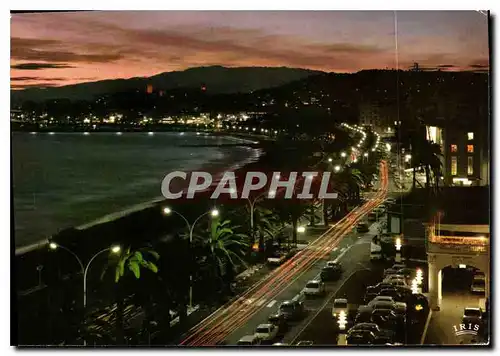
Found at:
<point>220,324</point>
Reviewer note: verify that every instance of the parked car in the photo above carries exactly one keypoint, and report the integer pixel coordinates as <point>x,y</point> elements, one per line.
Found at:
<point>378,287</point>
<point>314,288</point>
<point>478,286</point>
<point>387,319</point>
<point>249,340</point>
<point>472,315</point>
<point>392,277</point>
<point>479,276</point>
<point>292,309</point>
<point>361,337</point>
<point>362,227</point>
<point>339,305</point>
<point>364,314</point>
<point>395,294</point>
<point>389,300</point>
<point>398,308</point>
<point>399,283</point>
<point>386,335</point>
<point>266,332</point>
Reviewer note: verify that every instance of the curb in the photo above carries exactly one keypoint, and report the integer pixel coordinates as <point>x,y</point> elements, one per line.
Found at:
<point>424,334</point>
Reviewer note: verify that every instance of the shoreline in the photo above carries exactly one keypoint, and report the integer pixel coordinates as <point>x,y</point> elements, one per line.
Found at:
<point>255,154</point>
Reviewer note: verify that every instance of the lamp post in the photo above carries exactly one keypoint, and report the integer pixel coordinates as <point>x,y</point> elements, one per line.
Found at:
<point>114,249</point>
<point>398,249</point>
<point>342,322</point>
<point>214,213</point>
<point>252,207</point>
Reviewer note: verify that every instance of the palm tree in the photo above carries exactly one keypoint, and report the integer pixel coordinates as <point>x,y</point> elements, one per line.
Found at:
<point>290,211</point>
<point>224,249</point>
<point>129,262</point>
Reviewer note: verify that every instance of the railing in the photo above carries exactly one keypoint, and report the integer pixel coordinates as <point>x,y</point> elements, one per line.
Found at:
<point>457,244</point>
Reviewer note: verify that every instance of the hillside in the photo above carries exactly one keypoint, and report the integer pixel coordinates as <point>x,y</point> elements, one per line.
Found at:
<point>216,79</point>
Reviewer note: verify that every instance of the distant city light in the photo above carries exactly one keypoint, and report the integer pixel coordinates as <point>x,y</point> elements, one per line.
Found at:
<point>337,168</point>
<point>343,154</point>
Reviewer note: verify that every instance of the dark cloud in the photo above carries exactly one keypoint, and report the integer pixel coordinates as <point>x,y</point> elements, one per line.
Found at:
<point>27,86</point>
<point>481,63</point>
<point>17,79</point>
<point>39,65</point>
<point>28,49</point>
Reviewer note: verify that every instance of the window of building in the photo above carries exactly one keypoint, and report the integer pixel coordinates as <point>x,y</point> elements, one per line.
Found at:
<point>470,165</point>
<point>470,148</point>
<point>470,135</point>
<point>454,148</point>
<point>454,165</point>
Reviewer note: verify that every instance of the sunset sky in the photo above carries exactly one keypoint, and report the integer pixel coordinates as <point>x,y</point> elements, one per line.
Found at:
<point>52,49</point>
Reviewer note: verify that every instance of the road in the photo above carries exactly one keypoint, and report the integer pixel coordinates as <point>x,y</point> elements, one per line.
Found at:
<point>234,320</point>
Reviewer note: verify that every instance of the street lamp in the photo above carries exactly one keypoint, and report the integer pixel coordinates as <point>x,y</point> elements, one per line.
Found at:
<point>398,249</point>
<point>336,168</point>
<point>342,320</point>
<point>343,154</point>
<point>214,213</point>
<point>330,159</point>
<point>365,154</point>
<point>115,249</point>
<point>301,229</point>
<point>414,286</point>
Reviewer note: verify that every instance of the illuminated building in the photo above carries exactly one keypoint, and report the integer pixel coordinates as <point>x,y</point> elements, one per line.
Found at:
<point>458,235</point>
<point>149,89</point>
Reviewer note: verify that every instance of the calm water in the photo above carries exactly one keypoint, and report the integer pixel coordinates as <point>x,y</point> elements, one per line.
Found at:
<point>63,180</point>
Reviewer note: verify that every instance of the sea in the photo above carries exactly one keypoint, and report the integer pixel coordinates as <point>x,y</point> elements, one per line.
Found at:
<point>62,180</point>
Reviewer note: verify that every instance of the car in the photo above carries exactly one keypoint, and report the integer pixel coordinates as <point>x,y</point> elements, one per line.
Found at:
<point>479,276</point>
<point>314,288</point>
<point>304,343</point>
<point>372,216</point>
<point>278,319</point>
<point>472,315</point>
<point>387,335</point>
<point>249,340</point>
<point>378,287</point>
<point>398,308</point>
<point>334,264</point>
<point>478,286</point>
<point>340,304</point>
<point>292,309</point>
<point>397,295</point>
<point>399,283</point>
<point>390,271</point>
<point>392,277</point>
<point>362,227</point>
<point>363,315</point>
<point>386,299</point>
<point>398,266</point>
<point>330,273</point>
<point>387,319</point>
<point>361,337</point>
<point>266,332</point>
